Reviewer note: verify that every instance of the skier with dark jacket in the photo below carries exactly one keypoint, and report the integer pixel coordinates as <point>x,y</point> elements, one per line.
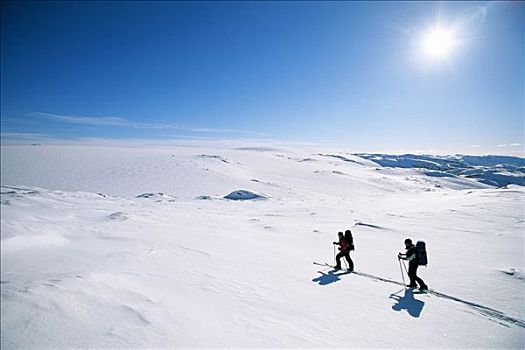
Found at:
<point>411,256</point>
<point>344,251</point>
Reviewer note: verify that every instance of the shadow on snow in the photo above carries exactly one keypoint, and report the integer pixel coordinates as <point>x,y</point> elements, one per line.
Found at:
<point>331,277</point>
<point>407,302</point>
<point>489,313</point>
<point>413,306</point>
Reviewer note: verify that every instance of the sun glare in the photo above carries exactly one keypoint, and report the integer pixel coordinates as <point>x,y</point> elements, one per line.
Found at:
<point>438,43</point>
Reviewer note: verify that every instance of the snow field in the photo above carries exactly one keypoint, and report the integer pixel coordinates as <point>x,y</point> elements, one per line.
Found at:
<point>109,270</point>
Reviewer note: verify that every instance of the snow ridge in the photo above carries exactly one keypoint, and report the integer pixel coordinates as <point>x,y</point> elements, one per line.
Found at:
<point>496,171</point>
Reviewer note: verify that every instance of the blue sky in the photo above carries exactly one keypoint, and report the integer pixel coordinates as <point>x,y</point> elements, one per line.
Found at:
<point>347,73</point>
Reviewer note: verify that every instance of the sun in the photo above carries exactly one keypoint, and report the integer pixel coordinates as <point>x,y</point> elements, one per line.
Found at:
<point>438,43</point>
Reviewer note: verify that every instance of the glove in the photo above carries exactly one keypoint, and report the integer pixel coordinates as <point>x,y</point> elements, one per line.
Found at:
<point>399,255</point>
<point>335,243</point>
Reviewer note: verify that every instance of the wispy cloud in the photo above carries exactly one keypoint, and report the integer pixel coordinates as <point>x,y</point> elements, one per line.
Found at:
<point>122,122</point>
<point>504,145</point>
<point>103,121</point>
<point>22,135</point>
<point>218,130</point>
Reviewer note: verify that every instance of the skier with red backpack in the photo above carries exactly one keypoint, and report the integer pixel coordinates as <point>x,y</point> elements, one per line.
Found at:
<point>345,245</point>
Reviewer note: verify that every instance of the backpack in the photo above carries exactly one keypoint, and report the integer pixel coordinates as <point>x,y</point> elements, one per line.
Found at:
<point>421,253</point>
<point>349,239</point>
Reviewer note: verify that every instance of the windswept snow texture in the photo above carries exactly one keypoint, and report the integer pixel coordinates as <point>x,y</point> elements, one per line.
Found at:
<point>132,248</point>
<point>496,171</point>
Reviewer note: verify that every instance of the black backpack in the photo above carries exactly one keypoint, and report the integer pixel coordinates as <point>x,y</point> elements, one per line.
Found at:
<point>349,239</point>
<point>421,253</point>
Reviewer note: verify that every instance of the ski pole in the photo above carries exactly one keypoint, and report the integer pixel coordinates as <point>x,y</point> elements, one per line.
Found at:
<point>335,263</point>
<point>405,267</point>
<point>402,275</point>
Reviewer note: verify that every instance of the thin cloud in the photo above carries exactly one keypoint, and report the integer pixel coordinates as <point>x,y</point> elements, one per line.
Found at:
<point>122,122</point>
<point>103,121</point>
<point>218,130</point>
<point>22,135</point>
<point>515,144</point>
<point>211,130</point>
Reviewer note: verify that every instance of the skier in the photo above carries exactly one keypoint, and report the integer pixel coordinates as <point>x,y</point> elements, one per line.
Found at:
<point>411,256</point>
<point>344,248</point>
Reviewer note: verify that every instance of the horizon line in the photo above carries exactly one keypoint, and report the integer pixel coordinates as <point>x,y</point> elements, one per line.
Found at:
<point>37,139</point>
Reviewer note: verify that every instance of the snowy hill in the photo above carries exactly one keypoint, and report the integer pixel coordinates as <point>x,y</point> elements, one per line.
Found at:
<point>106,247</point>
<point>492,170</point>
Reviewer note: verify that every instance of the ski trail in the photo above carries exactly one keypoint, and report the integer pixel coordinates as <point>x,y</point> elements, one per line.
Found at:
<point>362,274</point>
<point>484,310</point>
<point>369,225</point>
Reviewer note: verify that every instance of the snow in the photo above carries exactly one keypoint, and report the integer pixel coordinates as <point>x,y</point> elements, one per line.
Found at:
<point>108,247</point>
<point>492,170</point>
<point>242,195</point>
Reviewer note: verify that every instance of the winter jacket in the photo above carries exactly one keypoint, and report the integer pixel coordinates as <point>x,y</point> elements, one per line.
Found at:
<point>410,255</point>
<point>343,244</point>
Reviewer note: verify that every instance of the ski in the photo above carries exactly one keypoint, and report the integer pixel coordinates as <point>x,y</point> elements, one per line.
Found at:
<point>328,265</point>
<point>324,264</point>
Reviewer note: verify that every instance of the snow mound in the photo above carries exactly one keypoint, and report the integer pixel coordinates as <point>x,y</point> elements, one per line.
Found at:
<point>242,195</point>
<point>213,157</point>
<point>337,156</point>
<point>513,272</point>
<point>17,192</point>
<point>204,198</point>
<point>159,197</point>
<point>118,216</point>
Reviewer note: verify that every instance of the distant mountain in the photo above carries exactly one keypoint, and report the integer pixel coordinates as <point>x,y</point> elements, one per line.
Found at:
<point>496,171</point>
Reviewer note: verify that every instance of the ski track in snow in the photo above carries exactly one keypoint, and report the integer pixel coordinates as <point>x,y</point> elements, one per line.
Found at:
<point>335,275</point>
<point>487,311</point>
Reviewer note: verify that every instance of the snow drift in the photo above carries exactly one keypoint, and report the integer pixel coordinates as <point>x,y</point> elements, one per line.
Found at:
<point>243,195</point>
